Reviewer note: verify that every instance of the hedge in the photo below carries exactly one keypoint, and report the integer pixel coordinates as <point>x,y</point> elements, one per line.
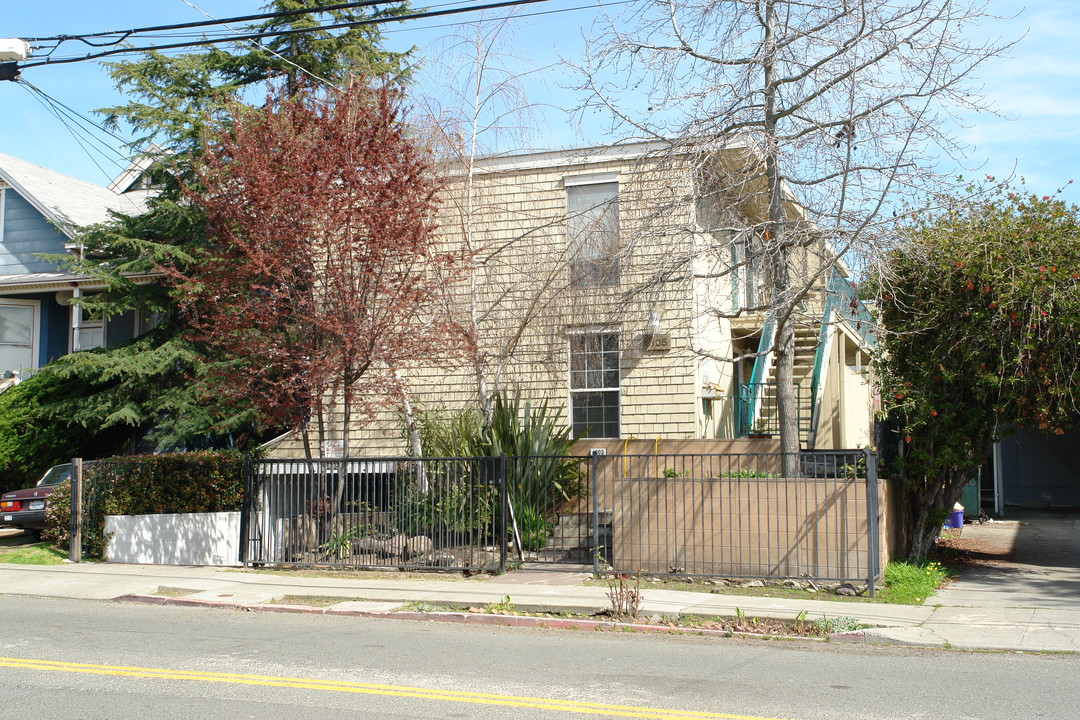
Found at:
<point>192,482</point>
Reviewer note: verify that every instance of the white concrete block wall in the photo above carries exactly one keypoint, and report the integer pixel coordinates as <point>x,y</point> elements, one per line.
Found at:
<point>178,539</point>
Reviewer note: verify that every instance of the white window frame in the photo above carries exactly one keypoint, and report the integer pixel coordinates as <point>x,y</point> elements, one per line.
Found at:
<point>35,326</point>
<point>80,325</point>
<point>572,391</point>
<point>3,209</point>
<point>611,277</point>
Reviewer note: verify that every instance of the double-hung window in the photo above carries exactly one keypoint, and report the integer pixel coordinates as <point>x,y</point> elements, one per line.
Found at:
<point>18,335</point>
<point>594,384</point>
<point>592,229</point>
<point>747,280</point>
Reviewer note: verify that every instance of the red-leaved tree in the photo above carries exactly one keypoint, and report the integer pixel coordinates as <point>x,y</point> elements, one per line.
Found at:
<point>322,278</point>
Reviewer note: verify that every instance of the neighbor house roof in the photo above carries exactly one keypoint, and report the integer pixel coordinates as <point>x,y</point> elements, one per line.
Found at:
<point>66,201</point>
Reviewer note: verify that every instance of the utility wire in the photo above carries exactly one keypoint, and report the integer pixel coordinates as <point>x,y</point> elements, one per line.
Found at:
<point>71,112</point>
<point>204,23</point>
<point>84,137</point>
<point>45,101</point>
<point>516,16</point>
<point>279,56</point>
<point>284,33</point>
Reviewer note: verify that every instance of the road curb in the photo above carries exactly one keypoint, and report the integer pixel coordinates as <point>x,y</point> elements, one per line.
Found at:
<point>465,618</point>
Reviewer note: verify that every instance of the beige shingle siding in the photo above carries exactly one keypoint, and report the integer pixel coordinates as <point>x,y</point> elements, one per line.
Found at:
<point>522,279</point>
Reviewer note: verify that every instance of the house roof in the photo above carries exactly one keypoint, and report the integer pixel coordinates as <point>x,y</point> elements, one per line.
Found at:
<point>145,161</point>
<point>66,201</point>
<point>45,281</point>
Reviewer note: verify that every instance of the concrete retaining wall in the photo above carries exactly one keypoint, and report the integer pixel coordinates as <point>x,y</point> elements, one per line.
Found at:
<point>181,539</point>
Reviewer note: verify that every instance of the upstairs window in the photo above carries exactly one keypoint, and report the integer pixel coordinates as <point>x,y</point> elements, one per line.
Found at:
<point>592,230</point>
<point>749,286</point>
<point>594,384</point>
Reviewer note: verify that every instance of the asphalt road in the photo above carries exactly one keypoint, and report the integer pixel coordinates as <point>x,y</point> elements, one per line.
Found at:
<point>82,659</point>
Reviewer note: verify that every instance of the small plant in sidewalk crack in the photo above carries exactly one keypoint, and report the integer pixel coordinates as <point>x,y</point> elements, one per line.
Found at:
<point>624,592</point>
<point>503,607</point>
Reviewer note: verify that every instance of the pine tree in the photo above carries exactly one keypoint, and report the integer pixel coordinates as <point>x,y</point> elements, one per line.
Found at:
<point>97,401</point>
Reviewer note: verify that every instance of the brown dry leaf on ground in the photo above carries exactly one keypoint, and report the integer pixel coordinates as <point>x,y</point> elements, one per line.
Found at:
<point>971,551</point>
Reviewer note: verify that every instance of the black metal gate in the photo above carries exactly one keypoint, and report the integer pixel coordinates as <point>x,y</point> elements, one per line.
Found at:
<point>370,513</point>
<point>808,515</point>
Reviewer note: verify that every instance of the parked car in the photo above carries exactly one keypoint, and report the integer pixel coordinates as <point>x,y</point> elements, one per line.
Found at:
<point>26,508</point>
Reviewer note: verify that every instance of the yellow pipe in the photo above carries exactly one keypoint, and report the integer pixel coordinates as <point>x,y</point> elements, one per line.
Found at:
<point>656,454</point>
<point>625,462</point>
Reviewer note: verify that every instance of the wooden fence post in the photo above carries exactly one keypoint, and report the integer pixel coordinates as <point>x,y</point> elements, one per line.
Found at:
<point>75,545</point>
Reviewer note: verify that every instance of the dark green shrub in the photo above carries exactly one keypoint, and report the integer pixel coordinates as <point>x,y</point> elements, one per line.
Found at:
<point>456,501</point>
<point>192,482</point>
<point>537,443</point>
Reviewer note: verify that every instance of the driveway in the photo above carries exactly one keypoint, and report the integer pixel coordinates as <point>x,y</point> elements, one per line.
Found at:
<point>1030,560</point>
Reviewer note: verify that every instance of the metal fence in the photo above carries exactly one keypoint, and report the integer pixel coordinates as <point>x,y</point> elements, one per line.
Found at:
<point>447,513</point>
<point>753,411</point>
<point>735,516</point>
<point>740,515</point>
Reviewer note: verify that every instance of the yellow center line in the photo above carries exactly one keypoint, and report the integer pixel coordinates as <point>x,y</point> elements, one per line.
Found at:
<point>571,706</point>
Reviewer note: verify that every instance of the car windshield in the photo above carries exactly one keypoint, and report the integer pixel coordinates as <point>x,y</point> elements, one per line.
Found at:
<point>56,475</point>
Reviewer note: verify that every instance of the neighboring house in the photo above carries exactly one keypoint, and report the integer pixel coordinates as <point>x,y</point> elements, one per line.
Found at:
<point>610,281</point>
<point>40,211</point>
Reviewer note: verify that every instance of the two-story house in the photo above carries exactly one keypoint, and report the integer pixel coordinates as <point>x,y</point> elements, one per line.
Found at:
<point>618,283</point>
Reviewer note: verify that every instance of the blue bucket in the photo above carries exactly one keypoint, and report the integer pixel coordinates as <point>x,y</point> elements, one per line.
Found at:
<point>955,520</point>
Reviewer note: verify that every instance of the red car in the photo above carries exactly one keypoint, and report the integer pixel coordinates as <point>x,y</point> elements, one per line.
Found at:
<point>26,508</point>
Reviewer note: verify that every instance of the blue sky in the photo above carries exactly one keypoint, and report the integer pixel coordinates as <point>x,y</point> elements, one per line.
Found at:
<point>1036,89</point>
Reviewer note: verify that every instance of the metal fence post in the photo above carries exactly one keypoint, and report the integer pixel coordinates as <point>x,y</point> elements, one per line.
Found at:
<point>595,516</point>
<point>872,501</point>
<point>504,501</point>
<point>245,510</point>
<point>76,506</point>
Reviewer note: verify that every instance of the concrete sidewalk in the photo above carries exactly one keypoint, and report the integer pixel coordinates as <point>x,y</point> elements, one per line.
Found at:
<point>971,627</point>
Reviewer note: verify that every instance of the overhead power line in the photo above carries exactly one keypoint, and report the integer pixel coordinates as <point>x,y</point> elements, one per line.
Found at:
<point>283,33</point>
<point>207,23</point>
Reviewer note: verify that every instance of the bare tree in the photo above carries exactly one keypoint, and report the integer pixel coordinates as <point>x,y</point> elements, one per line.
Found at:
<point>808,119</point>
<point>477,107</point>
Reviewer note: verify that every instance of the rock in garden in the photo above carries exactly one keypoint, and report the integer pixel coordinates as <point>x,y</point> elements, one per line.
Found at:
<point>795,584</point>
<point>444,560</point>
<point>396,545</point>
<point>417,545</point>
<point>846,589</point>
<point>752,584</point>
<point>368,544</point>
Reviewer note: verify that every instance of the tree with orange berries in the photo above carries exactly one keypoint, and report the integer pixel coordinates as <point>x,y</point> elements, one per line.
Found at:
<point>980,306</point>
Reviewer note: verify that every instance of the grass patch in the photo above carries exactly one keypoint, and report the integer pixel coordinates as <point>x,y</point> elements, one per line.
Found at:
<point>166,591</point>
<point>311,600</point>
<point>421,606</point>
<point>40,553</point>
<point>911,583</point>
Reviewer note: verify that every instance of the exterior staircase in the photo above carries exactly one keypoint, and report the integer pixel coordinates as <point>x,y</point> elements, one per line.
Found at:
<point>572,539</point>
<point>806,342</point>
